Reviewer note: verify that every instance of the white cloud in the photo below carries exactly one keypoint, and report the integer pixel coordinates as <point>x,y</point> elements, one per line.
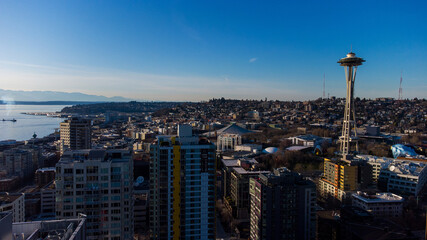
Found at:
<point>253,60</point>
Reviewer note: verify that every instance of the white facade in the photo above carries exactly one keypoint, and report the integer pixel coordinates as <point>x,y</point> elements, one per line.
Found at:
<point>403,176</point>
<point>47,200</point>
<point>255,148</point>
<point>379,205</point>
<point>227,142</point>
<point>394,175</point>
<point>14,203</point>
<point>326,189</point>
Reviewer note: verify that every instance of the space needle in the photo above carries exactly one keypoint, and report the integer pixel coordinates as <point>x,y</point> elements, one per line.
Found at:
<point>350,64</point>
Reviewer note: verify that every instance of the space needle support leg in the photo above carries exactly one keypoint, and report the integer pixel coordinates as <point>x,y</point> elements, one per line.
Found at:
<point>354,110</point>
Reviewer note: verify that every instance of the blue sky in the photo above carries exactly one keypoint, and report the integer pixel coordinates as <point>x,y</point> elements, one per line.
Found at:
<point>197,50</point>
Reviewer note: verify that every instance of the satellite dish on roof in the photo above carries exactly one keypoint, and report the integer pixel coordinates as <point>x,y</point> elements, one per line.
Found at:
<point>138,181</point>
<point>392,168</point>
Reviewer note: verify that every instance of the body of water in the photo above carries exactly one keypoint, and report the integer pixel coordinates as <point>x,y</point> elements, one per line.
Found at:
<point>26,125</point>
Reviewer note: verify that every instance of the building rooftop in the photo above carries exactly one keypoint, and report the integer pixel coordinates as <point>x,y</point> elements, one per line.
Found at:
<point>233,129</point>
<point>297,148</point>
<point>237,162</point>
<point>9,179</point>
<point>309,137</point>
<point>66,229</point>
<point>48,169</point>
<point>230,129</point>
<point>95,154</point>
<point>242,171</point>
<point>379,197</point>
<point>403,167</point>
<point>8,198</point>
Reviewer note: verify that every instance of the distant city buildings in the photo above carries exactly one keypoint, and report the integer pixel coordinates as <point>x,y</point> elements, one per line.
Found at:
<point>308,140</point>
<point>182,187</point>
<point>283,206</point>
<point>75,133</point>
<point>180,202</point>
<point>97,183</point>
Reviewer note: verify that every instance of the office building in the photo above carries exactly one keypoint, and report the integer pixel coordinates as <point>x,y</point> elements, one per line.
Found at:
<point>308,140</point>
<point>140,212</point>
<point>47,200</point>
<point>282,206</point>
<point>14,203</point>
<point>17,162</point>
<point>403,177</point>
<point>75,134</point>
<point>182,187</point>
<point>380,204</point>
<point>97,183</point>
<point>239,200</point>
<point>44,176</point>
<point>227,168</point>
<point>377,163</point>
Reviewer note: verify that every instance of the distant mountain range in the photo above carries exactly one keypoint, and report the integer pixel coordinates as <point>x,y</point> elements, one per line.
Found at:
<point>40,96</point>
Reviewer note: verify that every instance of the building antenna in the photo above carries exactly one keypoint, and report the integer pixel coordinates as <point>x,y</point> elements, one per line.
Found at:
<point>400,87</point>
<point>324,85</point>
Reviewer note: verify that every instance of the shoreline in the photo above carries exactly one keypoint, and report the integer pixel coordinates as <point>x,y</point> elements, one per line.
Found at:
<point>42,119</point>
<point>47,114</point>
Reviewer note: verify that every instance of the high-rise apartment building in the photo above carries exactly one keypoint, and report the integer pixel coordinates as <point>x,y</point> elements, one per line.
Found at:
<point>282,206</point>
<point>97,183</point>
<point>239,192</point>
<point>341,177</point>
<point>182,187</point>
<point>75,134</point>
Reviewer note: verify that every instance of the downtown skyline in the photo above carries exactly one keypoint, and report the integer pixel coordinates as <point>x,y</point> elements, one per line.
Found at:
<point>191,51</point>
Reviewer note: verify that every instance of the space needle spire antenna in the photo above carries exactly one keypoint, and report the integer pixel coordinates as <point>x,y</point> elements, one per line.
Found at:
<point>350,64</point>
<point>400,87</point>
